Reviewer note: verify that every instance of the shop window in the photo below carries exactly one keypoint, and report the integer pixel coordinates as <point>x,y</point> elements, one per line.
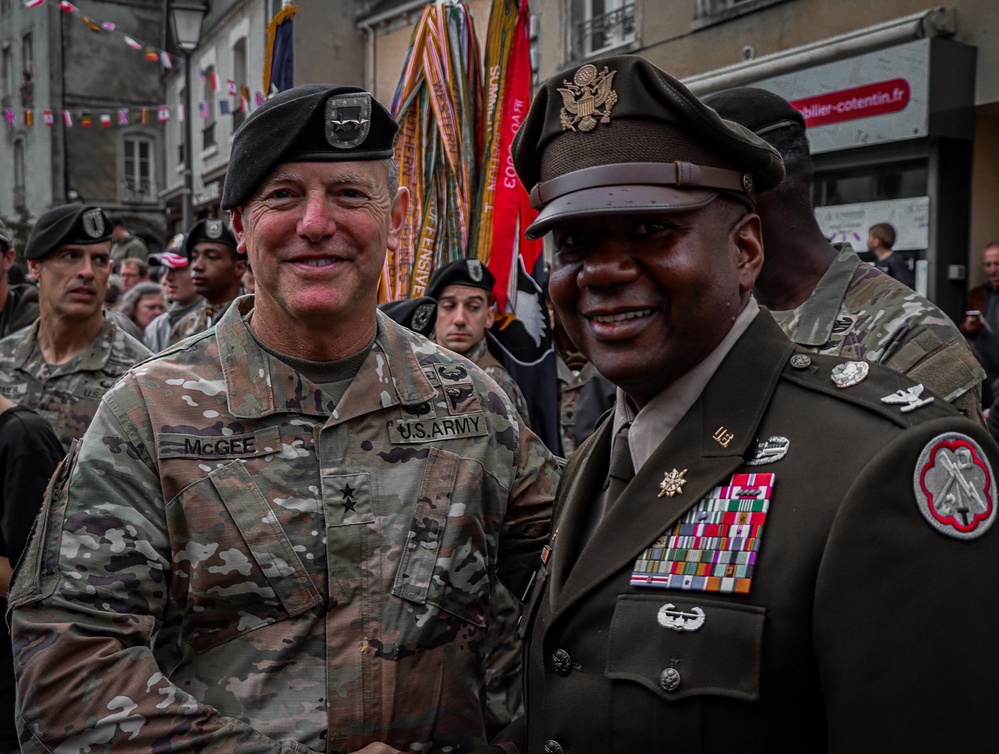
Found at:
<point>601,25</point>
<point>8,75</point>
<point>902,179</point>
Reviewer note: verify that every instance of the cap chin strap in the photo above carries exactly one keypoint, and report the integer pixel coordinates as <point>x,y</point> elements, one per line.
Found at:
<point>683,175</point>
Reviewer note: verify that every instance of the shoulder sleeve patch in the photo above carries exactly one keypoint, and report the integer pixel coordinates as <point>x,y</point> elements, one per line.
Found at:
<point>955,487</point>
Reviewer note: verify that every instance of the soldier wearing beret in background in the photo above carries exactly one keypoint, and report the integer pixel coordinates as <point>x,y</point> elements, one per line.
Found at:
<point>465,311</point>
<point>74,353</point>
<point>418,314</point>
<point>791,551</point>
<point>18,303</point>
<point>285,529</point>
<point>827,301</point>
<point>216,269</point>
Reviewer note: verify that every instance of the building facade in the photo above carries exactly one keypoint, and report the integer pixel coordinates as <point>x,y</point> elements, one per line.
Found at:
<point>63,93</point>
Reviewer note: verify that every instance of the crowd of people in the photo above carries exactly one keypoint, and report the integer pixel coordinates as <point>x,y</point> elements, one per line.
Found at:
<point>247,509</point>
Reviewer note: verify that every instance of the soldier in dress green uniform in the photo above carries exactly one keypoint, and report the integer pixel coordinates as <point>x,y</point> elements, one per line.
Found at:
<point>761,549</point>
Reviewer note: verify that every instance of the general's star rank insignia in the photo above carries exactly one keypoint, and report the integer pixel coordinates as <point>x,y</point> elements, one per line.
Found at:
<point>672,483</point>
<point>955,487</point>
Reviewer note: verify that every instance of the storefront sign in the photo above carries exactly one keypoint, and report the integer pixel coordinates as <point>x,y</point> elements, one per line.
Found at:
<point>865,101</point>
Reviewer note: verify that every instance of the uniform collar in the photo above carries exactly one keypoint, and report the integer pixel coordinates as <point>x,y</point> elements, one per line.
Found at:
<point>817,315</point>
<point>92,359</point>
<point>258,384</point>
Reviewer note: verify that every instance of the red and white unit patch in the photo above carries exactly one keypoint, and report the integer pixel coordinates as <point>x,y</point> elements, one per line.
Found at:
<point>955,487</point>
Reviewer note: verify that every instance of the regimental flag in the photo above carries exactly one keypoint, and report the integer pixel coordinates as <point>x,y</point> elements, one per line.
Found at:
<point>29,117</point>
<point>131,42</point>
<point>231,88</point>
<point>122,116</point>
<point>105,119</point>
<point>151,55</point>
<point>67,118</point>
<point>166,60</point>
<point>9,114</point>
<point>279,58</point>
<point>33,3</point>
<point>85,118</point>
<point>164,113</point>
<point>522,341</point>
<point>48,118</point>
<point>223,107</point>
<point>143,115</point>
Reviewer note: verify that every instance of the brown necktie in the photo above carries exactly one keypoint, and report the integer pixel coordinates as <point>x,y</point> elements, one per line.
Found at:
<point>621,469</point>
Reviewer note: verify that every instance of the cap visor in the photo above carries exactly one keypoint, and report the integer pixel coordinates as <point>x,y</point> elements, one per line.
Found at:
<point>617,200</point>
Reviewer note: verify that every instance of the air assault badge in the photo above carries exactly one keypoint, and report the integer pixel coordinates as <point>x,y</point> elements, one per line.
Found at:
<point>589,96</point>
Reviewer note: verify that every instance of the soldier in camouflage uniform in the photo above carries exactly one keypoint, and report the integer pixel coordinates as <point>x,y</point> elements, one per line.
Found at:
<point>828,302</point>
<point>463,290</point>
<point>217,269</point>
<point>62,365</point>
<point>281,536</point>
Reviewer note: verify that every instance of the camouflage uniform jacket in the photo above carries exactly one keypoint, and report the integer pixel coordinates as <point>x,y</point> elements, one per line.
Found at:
<point>66,395</point>
<point>202,316</point>
<point>858,312</point>
<point>130,247</point>
<point>231,564</point>
<point>480,356</point>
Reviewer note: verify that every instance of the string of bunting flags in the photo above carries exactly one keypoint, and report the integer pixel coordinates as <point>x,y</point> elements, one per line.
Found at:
<point>106,117</point>
<point>152,53</point>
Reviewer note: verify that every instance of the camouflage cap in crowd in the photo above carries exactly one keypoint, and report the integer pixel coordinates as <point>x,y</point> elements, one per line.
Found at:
<point>68,224</point>
<point>470,272</point>
<point>309,123</point>
<point>418,314</point>
<point>209,231</point>
<point>757,109</point>
<point>618,135</point>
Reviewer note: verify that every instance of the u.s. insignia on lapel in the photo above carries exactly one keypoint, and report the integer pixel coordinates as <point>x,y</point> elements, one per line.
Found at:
<point>714,546</point>
<point>955,487</point>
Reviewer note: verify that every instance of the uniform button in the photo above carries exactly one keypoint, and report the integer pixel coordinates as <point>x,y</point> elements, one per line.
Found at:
<point>553,747</point>
<point>561,662</point>
<point>670,679</point>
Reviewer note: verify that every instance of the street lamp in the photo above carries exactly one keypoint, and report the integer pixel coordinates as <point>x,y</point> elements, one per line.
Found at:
<point>186,19</point>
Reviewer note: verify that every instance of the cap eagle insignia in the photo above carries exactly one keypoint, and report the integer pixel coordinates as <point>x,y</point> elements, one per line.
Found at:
<point>589,96</point>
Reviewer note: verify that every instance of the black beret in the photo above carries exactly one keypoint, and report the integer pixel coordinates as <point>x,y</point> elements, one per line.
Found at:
<point>209,231</point>
<point>619,135</point>
<point>418,314</point>
<point>470,272</point>
<point>68,224</point>
<point>308,123</point>
<point>757,109</point>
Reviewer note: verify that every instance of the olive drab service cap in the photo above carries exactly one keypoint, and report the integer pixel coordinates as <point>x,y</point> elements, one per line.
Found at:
<point>618,135</point>
<point>68,224</point>
<point>209,230</point>
<point>309,123</point>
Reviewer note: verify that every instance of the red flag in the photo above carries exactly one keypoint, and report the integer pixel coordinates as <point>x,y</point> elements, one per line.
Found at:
<point>105,119</point>
<point>512,211</point>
